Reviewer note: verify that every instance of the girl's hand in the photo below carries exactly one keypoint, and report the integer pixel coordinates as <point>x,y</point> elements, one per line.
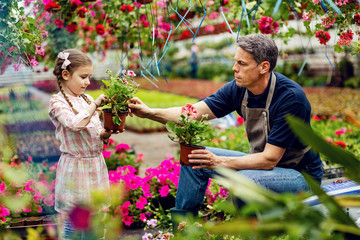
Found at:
<point>101,99</point>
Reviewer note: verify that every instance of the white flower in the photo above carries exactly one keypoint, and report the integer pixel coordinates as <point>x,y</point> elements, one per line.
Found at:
<point>152,222</point>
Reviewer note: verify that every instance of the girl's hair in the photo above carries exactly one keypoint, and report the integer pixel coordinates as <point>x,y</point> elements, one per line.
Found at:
<point>77,59</point>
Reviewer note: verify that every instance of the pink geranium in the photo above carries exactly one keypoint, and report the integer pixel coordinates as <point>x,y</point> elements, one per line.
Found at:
<point>268,26</point>
<point>346,38</point>
<point>106,154</point>
<point>189,110</point>
<point>122,147</point>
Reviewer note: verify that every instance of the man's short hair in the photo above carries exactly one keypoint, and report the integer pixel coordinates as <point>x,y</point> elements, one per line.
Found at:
<point>262,48</point>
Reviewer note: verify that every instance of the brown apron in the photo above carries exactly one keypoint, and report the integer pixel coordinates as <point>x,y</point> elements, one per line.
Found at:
<point>258,128</point>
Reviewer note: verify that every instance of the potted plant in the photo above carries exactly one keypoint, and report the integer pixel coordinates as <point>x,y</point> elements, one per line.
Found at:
<point>118,90</point>
<point>189,132</point>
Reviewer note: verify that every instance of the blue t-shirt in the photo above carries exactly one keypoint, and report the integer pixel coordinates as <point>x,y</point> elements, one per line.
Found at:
<point>288,98</point>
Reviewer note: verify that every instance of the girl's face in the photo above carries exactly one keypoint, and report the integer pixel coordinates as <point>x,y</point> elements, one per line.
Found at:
<point>75,84</point>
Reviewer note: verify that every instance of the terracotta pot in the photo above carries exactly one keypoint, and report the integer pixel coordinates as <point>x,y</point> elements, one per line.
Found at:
<point>185,150</point>
<point>108,120</point>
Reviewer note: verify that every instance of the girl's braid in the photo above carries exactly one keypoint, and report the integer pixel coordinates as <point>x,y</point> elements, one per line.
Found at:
<point>66,96</point>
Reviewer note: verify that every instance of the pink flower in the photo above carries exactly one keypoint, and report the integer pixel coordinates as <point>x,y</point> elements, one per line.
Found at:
<point>128,220</point>
<point>209,28</point>
<point>268,26</point>
<point>16,67</point>
<point>137,4</point>
<point>131,73</point>
<point>39,50</point>
<point>125,208</point>
<point>80,217</point>
<point>209,3</point>
<point>33,62</point>
<point>346,38</point>
<point>333,118</point>
<point>342,2</point>
<point>122,147</point>
<point>106,154</point>
<point>152,223</point>
<point>143,217</point>
<point>329,140</point>
<point>161,4</point>
<point>111,140</point>
<point>139,205</point>
<point>340,131</point>
<point>164,191</point>
<point>213,15</point>
<point>327,21</point>
<point>2,187</point>
<point>307,17</point>
<point>139,157</point>
<point>4,211</point>
<point>189,110</point>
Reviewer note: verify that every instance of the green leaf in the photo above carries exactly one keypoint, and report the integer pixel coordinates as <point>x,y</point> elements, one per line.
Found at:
<point>335,211</point>
<point>245,189</point>
<point>318,144</point>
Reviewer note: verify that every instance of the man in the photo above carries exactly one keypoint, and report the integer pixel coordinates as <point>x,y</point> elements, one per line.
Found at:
<point>262,98</point>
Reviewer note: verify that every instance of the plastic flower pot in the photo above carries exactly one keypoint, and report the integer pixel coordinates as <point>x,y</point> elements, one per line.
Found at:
<point>108,120</point>
<point>185,150</point>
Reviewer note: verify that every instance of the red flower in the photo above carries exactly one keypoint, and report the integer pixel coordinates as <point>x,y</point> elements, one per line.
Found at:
<point>268,26</point>
<point>51,6</point>
<point>81,12</point>
<point>357,19</point>
<point>126,8</point>
<point>340,144</point>
<point>315,118</point>
<point>100,29</point>
<point>59,23</point>
<point>130,8</point>
<point>72,27</point>
<point>346,38</point>
<point>185,34</point>
<point>323,36</point>
<point>240,121</point>
<point>80,218</point>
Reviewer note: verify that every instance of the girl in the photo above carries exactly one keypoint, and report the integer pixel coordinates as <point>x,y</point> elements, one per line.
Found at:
<point>81,167</point>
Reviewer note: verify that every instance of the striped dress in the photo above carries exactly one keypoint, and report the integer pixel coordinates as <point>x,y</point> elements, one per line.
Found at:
<point>81,167</point>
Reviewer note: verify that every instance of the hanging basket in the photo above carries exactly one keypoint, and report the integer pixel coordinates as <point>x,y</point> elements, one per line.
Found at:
<point>185,150</point>
<point>108,120</point>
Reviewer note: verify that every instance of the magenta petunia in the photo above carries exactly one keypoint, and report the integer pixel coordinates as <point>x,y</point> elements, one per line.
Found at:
<point>164,191</point>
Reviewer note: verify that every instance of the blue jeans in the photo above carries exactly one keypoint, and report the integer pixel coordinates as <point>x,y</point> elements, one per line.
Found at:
<point>193,183</point>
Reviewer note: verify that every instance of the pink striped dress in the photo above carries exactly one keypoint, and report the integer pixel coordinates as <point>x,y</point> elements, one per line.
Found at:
<point>81,167</point>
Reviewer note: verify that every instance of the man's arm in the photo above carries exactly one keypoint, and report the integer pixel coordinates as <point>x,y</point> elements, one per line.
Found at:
<point>265,160</point>
<point>163,115</point>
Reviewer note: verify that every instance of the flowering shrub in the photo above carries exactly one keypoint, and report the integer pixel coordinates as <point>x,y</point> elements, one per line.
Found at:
<point>121,155</point>
<point>26,189</point>
<point>142,194</point>
<point>189,130</point>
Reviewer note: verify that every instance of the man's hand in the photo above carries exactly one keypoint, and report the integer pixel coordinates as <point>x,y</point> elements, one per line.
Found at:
<point>205,157</point>
<point>138,108</point>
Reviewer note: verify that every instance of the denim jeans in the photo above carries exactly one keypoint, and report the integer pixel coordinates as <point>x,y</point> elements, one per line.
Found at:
<point>193,183</point>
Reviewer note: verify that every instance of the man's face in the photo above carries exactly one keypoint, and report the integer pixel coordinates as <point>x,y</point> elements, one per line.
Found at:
<point>246,70</point>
